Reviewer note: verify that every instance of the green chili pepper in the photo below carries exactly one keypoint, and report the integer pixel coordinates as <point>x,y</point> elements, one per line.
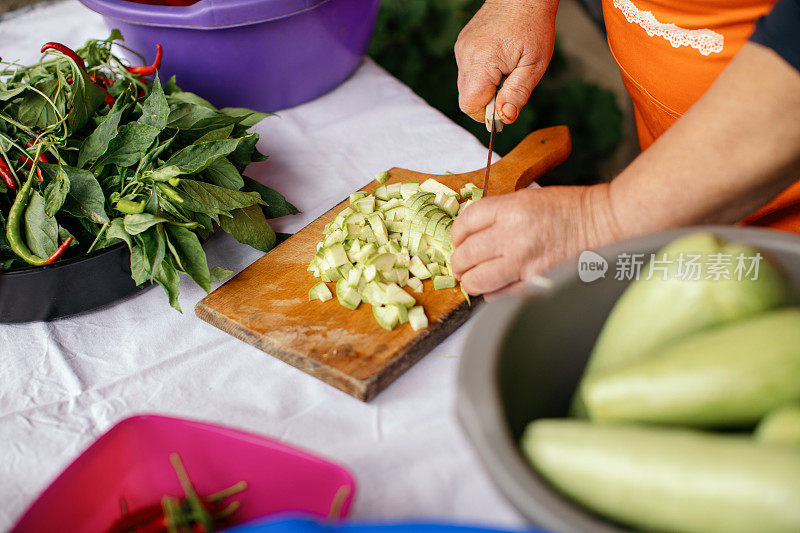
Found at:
<point>129,207</point>
<point>171,193</point>
<point>198,511</point>
<point>174,181</point>
<point>14,230</point>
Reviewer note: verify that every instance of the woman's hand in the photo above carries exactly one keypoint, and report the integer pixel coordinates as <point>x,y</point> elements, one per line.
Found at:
<point>502,242</point>
<point>513,37</point>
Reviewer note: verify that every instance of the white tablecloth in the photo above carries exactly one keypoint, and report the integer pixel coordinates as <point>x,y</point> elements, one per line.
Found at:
<point>64,383</point>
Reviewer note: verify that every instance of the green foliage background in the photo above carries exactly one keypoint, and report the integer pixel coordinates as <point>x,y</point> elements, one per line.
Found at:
<point>414,41</point>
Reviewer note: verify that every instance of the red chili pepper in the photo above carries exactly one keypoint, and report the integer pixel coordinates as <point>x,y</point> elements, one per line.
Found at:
<point>59,251</point>
<point>148,70</point>
<point>8,177</point>
<point>69,52</point>
<point>28,162</point>
<point>100,80</point>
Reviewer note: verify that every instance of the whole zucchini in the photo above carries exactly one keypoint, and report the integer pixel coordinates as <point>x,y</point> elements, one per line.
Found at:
<point>653,312</point>
<point>672,480</point>
<point>781,426</point>
<point>729,376</point>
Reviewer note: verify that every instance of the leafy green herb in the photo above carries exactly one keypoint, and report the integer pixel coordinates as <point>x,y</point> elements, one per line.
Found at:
<point>130,162</point>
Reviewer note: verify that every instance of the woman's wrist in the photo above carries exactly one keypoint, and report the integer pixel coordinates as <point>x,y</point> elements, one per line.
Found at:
<point>598,218</point>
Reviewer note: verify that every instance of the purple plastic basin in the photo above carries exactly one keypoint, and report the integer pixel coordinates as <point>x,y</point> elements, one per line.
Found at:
<point>262,54</point>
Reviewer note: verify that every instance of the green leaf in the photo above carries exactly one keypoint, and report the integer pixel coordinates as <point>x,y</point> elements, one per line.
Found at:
<point>140,268</point>
<point>202,197</point>
<point>167,276</point>
<point>218,134</point>
<point>137,223</point>
<point>155,248</point>
<point>85,96</point>
<point>243,155</point>
<point>41,230</point>
<point>224,174</point>
<point>153,153</point>
<point>96,144</point>
<point>56,193</point>
<point>7,94</point>
<point>251,118</point>
<point>34,109</point>
<point>155,109</point>
<point>190,98</point>
<point>185,115</point>
<point>171,88</point>
<point>276,205</point>
<point>219,274</point>
<point>248,226</point>
<point>116,230</point>
<point>189,255</point>
<point>128,146</point>
<point>194,158</point>
<point>85,197</point>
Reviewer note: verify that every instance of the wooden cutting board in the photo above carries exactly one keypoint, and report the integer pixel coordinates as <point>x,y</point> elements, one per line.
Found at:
<point>267,305</point>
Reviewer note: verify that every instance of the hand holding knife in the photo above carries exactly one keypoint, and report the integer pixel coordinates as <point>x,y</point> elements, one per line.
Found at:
<point>493,125</point>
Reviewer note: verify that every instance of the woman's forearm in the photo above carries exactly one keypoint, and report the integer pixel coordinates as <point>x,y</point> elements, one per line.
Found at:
<point>731,153</point>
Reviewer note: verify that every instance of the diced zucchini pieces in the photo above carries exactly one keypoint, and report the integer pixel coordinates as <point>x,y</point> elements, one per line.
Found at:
<point>383,262</point>
<point>417,318</point>
<point>380,193</point>
<point>418,268</point>
<point>444,282</point>
<point>373,293</point>
<point>370,271</point>
<point>415,284</point>
<point>451,205</point>
<point>402,313</point>
<point>393,294</point>
<point>393,190</point>
<point>408,189</point>
<point>393,238</point>
<point>381,177</point>
<point>335,255</point>
<point>348,296</point>
<point>431,185</point>
<point>357,196</point>
<point>354,276</point>
<point>320,292</point>
<point>365,205</point>
<point>386,316</point>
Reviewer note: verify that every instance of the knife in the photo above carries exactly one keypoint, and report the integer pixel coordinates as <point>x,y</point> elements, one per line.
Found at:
<point>493,125</point>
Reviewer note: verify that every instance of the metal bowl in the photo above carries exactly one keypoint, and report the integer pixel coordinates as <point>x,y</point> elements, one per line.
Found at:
<point>67,287</point>
<point>524,357</point>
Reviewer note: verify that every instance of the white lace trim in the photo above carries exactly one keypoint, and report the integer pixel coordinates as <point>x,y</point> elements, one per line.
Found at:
<point>704,41</point>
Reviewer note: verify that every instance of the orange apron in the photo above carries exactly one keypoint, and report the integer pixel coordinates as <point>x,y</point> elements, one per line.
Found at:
<point>669,53</point>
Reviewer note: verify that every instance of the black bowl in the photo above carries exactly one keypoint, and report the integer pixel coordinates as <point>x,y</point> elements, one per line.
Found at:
<point>525,356</point>
<point>67,287</point>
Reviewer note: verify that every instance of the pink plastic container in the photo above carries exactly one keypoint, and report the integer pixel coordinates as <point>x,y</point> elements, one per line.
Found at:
<point>131,460</point>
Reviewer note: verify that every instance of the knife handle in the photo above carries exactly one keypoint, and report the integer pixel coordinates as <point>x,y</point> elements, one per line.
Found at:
<point>490,114</point>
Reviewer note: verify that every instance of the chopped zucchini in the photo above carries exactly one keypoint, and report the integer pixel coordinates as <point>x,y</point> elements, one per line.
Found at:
<point>320,292</point>
<point>444,282</point>
<point>417,318</point>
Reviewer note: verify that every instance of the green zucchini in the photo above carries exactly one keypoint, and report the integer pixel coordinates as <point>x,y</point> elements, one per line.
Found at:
<point>780,426</point>
<point>653,312</point>
<point>673,480</point>
<point>728,376</point>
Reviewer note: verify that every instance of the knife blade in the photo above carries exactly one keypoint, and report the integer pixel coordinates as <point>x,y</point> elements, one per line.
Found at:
<point>493,125</point>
